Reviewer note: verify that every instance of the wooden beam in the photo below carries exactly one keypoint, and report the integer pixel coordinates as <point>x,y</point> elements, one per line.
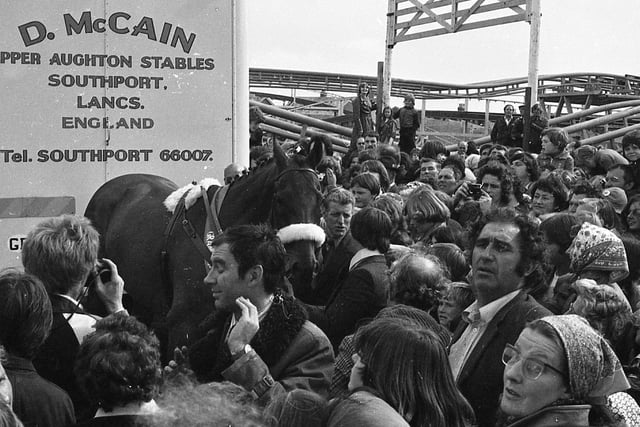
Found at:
<point>511,4</point>
<point>466,27</point>
<point>467,14</point>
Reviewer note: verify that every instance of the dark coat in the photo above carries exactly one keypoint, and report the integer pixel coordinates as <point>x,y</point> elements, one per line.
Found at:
<point>335,268</point>
<point>289,352</point>
<point>480,379</point>
<point>361,295</point>
<point>501,132</point>
<point>363,408</point>
<point>409,121</point>
<point>36,401</point>
<point>57,356</point>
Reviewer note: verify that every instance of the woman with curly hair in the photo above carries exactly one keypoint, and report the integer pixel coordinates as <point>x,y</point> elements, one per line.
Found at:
<point>118,366</point>
<point>401,377</point>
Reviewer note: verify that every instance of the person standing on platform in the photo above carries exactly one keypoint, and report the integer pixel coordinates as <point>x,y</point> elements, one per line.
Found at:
<point>362,108</point>
<point>501,133</point>
<point>409,119</point>
<point>539,122</point>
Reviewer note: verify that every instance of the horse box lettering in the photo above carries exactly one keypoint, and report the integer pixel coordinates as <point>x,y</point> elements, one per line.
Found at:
<point>97,89</point>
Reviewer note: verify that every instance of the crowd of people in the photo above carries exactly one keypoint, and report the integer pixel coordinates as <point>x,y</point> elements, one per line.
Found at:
<point>489,286</point>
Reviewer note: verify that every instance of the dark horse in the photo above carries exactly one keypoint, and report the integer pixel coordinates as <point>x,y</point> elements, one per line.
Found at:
<point>167,291</point>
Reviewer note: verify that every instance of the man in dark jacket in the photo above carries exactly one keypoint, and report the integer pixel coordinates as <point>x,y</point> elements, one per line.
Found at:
<point>503,127</point>
<point>26,320</point>
<point>337,250</point>
<point>506,249</point>
<point>257,337</point>
<point>63,253</point>
<point>365,290</point>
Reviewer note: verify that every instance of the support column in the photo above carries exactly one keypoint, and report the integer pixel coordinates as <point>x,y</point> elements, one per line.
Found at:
<point>389,43</point>
<point>533,13</point>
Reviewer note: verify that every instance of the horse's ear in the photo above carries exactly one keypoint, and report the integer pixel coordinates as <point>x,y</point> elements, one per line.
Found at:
<point>320,146</point>
<point>280,156</point>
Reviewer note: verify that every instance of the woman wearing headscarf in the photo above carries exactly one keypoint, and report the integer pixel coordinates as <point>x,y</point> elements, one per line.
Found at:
<point>560,372</point>
<point>598,254</point>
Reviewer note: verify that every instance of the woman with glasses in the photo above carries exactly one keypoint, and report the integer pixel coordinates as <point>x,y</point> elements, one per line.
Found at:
<point>560,372</point>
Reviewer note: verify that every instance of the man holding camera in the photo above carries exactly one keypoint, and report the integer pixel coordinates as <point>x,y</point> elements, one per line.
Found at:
<point>63,253</point>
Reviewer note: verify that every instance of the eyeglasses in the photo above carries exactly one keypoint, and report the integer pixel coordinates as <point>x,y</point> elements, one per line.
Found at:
<point>531,368</point>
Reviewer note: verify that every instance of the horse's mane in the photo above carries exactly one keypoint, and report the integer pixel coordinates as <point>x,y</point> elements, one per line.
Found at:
<point>295,161</point>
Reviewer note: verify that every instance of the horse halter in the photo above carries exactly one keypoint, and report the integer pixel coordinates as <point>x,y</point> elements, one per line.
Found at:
<point>286,171</point>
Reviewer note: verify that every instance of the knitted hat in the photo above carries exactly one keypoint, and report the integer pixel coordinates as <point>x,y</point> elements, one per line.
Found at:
<point>617,197</point>
<point>596,248</point>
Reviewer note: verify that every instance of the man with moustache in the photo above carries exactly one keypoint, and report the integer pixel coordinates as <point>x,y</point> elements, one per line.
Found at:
<point>506,250</point>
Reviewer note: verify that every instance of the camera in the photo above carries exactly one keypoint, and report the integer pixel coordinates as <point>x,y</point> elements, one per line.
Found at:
<point>104,271</point>
<point>475,190</point>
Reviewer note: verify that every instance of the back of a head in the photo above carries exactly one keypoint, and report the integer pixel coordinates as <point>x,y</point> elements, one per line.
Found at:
<point>372,228</point>
<point>119,363</point>
<point>389,204</point>
<point>453,258</point>
<point>603,307</point>
<point>25,313</point>
<point>407,364</point>
<point>376,166</point>
<point>416,280</point>
<point>560,229</point>
<point>203,405</point>
<point>296,408</point>
<point>61,252</point>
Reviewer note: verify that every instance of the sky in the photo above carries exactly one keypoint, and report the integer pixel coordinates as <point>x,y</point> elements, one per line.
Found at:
<point>348,36</point>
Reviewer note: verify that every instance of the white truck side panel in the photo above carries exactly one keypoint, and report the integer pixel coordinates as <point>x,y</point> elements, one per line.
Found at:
<point>96,89</point>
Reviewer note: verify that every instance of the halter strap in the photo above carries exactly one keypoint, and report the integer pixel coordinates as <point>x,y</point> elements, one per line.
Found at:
<point>286,171</point>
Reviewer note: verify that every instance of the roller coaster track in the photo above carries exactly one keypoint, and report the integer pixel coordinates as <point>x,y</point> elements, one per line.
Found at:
<point>583,88</point>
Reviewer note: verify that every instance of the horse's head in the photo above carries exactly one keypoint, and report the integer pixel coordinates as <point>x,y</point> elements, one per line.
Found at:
<point>295,210</point>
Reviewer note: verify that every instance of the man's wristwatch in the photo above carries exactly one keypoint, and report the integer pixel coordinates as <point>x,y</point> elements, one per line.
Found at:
<point>245,350</point>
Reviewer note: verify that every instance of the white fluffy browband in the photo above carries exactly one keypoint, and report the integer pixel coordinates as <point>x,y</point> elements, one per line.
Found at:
<point>172,200</point>
<point>295,232</point>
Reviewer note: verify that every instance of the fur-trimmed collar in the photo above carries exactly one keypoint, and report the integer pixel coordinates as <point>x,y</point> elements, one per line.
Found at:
<point>305,231</point>
<point>210,355</point>
<point>172,200</point>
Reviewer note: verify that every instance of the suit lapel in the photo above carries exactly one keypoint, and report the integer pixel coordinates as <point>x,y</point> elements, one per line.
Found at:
<point>493,328</point>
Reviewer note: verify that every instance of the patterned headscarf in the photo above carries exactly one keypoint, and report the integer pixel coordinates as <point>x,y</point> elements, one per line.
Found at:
<point>594,369</point>
<point>596,248</point>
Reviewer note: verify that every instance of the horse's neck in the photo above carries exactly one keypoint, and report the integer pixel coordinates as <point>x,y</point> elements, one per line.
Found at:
<point>248,201</point>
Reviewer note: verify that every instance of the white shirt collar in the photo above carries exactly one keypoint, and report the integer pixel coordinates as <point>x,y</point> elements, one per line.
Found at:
<point>362,254</point>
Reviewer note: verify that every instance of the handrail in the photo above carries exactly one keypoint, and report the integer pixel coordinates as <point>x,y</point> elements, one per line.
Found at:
<point>301,118</point>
